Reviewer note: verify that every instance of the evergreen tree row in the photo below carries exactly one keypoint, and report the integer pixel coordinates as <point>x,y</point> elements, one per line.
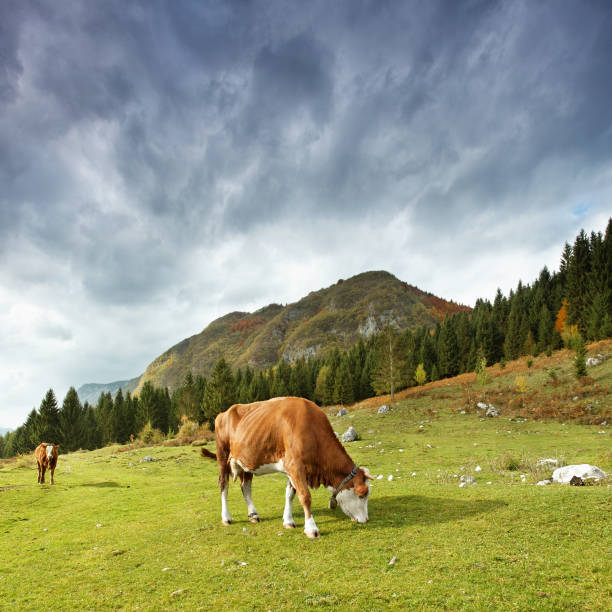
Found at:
<point>573,303</point>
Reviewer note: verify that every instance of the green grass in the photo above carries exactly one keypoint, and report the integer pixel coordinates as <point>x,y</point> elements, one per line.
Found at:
<point>119,533</point>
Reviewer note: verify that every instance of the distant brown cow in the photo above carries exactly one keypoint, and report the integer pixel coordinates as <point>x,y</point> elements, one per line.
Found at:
<point>46,457</point>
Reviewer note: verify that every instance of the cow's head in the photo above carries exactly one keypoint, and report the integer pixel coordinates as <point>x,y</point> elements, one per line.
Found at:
<point>49,450</point>
<point>353,499</point>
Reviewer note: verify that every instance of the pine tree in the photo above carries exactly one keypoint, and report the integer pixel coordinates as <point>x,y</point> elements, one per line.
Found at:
<point>580,367</point>
<point>343,385</point>
<point>577,288</point>
<point>72,434</point>
<point>49,419</point>
<point>219,393</point>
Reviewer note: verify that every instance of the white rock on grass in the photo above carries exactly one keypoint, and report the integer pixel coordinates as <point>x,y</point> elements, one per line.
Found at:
<point>384,408</point>
<point>492,411</point>
<point>478,469</point>
<point>379,477</point>
<point>594,361</point>
<point>584,471</point>
<point>341,412</point>
<point>482,405</point>
<point>467,480</point>
<point>390,477</point>
<point>350,435</point>
<point>543,483</point>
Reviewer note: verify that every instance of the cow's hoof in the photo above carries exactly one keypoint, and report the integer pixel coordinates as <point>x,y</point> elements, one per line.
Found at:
<point>254,518</point>
<point>313,535</point>
<point>227,522</point>
<point>289,525</point>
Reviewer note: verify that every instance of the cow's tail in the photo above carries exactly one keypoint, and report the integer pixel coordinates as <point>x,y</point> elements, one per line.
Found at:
<point>206,453</point>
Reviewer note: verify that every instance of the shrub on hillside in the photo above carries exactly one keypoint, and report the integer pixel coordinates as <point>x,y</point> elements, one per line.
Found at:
<point>149,435</point>
<point>190,431</point>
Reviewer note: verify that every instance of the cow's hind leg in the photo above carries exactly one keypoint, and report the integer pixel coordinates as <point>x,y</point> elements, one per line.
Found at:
<point>247,481</point>
<point>42,474</point>
<point>52,470</point>
<point>224,486</point>
<point>288,522</point>
<point>39,474</point>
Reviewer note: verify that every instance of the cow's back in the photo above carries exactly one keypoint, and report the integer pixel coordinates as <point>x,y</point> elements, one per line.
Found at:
<point>269,429</point>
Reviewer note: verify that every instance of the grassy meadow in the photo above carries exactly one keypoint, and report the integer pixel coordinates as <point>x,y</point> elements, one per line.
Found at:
<point>117,532</point>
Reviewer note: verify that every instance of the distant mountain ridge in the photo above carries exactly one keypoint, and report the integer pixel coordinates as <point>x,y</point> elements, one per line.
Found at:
<point>336,316</point>
<point>90,392</point>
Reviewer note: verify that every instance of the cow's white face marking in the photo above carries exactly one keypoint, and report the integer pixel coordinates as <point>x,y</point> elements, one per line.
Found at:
<point>352,505</point>
<point>49,451</point>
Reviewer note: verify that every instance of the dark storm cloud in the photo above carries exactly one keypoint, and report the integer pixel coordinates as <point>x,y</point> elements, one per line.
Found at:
<point>169,125</point>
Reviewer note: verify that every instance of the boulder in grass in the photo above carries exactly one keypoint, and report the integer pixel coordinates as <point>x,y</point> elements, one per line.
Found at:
<point>350,435</point>
<point>492,411</point>
<point>384,408</point>
<point>482,405</point>
<point>341,412</point>
<point>584,471</point>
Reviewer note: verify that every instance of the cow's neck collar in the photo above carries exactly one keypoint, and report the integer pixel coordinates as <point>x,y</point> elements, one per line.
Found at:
<point>332,500</point>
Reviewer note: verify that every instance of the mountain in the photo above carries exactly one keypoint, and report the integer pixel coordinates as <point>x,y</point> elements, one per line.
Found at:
<point>91,391</point>
<point>336,316</point>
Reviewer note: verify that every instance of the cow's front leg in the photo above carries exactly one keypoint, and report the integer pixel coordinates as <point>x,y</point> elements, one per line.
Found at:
<point>52,470</point>
<point>246,493</point>
<point>301,487</point>
<point>39,474</point>
<point>42,475</point>
<point>288,522</point>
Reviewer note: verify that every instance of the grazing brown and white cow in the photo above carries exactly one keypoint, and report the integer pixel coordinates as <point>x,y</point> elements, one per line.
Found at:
<point>293,436</point>
<point>46,457</point>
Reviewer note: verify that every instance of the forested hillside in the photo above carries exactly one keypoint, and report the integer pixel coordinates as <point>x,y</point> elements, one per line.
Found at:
<point>331,318</point>
<point>558,309</point>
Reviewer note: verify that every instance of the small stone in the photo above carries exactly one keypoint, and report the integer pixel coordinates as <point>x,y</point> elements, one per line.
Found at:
<point>462,484</point>
<point>482,405</point>
<point>462,412</point>
<point>489,482</point>
<point>98,524</point>
<point>413,473</point>
<point>165,569</point>
<point>393,561</point>
<point>341,412</point>
<point>478,469</point>
<point>148,458</point>
<point>492,411</point>
<point>543,483</point>
<point>379,477</point>
<point>177,592</point>
<point>390,478</point>
<point>384,408</point>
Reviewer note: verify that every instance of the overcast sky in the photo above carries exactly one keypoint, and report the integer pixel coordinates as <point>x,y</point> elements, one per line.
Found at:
<point>164,163</point>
